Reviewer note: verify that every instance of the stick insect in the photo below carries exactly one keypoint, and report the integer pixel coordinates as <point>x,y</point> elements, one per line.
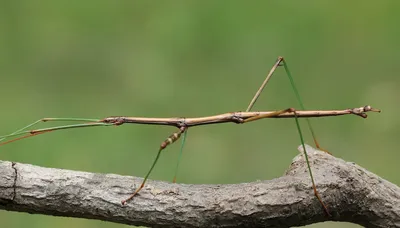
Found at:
<point>183,124</point>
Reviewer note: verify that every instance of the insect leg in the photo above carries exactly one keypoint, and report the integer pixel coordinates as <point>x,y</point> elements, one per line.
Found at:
<point>171,139</point>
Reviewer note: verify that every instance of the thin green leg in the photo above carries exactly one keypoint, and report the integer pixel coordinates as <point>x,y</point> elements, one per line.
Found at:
<point>180,156</point>
<point>308,165</point>
<point>301,135</point>
<point>301,104</point>
<point>29,133</point>
<point>171,139</point>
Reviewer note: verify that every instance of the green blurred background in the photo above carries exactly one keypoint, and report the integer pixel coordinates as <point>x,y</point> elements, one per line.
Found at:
<point>195,58</point>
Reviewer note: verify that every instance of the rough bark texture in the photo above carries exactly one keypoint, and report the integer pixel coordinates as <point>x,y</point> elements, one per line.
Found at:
<point>351,193</point>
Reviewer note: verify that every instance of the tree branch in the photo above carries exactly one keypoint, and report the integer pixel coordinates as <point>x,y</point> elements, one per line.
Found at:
<point>351,193</point>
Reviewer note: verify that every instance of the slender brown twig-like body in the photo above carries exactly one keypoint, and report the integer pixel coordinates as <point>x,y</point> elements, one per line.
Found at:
<point>236,117</point>
<point>233,117</point>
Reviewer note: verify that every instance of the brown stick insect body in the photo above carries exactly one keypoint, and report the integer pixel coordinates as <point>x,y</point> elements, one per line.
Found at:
<point>184,123</point>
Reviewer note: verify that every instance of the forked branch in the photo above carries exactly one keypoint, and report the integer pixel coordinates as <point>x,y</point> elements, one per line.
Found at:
<point>352,193</point>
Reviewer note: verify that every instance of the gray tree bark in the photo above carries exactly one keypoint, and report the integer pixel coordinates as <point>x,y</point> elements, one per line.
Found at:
<point>351,193</point>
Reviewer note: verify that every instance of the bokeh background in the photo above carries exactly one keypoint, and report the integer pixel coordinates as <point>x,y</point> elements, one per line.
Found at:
<point>196,58</point>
